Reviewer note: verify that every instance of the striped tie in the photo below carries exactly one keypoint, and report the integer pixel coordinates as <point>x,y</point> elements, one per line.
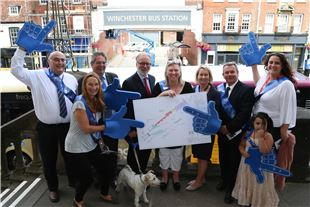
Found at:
<point>61,98</point>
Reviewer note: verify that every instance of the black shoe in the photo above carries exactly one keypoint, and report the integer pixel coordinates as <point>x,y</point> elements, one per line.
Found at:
<point>228,198</point>
<point>53,196</point>
<point>176,186</point>
<point>221,186</point>
<point>163,186</point>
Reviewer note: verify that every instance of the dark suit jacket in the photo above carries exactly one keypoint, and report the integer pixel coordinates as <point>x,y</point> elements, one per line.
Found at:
<point>242,100</point>
<point>110,77</point>
<point>135,84</point>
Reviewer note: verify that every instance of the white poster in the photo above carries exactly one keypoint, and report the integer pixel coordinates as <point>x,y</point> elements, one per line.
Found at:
<point>166,124</point>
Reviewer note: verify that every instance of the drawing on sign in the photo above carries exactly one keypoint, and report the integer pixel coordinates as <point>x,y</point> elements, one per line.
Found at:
<point>166,124</point>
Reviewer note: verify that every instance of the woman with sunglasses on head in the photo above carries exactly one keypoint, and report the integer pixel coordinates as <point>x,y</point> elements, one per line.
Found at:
<point>171,157</point>
<point>203,151</point>
<point>275,95</point>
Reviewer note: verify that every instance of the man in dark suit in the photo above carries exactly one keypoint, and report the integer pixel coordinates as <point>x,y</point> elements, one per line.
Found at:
<point>98,64</point>
<point>143,83</point>
<point>237,101</point>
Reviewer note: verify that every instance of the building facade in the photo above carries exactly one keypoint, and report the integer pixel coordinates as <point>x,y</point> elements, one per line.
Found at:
<point>282,23</point>
<point>73,27</point>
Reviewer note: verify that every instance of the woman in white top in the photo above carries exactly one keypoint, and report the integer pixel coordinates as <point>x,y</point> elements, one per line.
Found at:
<point>86,126</point>
<point>275,95</point>
<point>279,100</point>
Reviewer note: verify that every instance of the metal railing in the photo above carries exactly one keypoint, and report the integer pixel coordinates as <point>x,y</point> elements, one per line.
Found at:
<point>15,131</point>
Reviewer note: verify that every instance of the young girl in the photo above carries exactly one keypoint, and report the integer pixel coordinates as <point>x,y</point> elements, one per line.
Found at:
<point>247,190</point>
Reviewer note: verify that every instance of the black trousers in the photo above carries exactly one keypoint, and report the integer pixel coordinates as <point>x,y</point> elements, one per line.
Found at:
<point>82,164</point>
<point>229,156</point>
<point>110,165</point>
<point>143,157</point>
<point>50,136</point>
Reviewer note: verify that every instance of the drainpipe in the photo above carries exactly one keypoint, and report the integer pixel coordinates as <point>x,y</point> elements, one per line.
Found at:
<point>258,16</point>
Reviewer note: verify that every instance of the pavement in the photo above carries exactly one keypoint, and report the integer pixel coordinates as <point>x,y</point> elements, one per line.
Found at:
<point>295,194</point>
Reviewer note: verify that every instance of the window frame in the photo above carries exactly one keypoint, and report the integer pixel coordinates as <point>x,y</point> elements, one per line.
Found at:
<point>270,24</point>
<point>13,35</point>
<point>283,26</point>
<point>297,27</point>
<point>244,23</point>
<point>14,10</point>
<point>219,16</point>
<point>77,1</point>
<point>43,2</point>
<point>230,12</point>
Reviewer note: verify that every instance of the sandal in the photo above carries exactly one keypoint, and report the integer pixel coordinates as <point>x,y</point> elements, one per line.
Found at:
<point>78,204</point>
<point>108,199</point>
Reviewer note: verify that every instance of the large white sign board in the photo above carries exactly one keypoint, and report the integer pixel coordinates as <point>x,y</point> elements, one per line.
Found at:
<point>166,124</point>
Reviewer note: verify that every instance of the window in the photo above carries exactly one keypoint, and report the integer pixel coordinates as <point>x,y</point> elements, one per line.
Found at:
<point>232,21</point>
<point>269,21</point>
<point>62,25</point>
<point>297,23</point>
<point>245,25</point>
<point>217,23</point>
<point>14,10</point>
<point>283,23</point>
<point>13,35</point>
<point>43,1</point>
<point>76,1</point>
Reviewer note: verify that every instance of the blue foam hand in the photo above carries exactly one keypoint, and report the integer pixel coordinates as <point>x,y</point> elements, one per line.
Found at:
<point>259,163</point>
<point>205,123</point>
<point>117,127</point>
<point>115,98</point>
<point>250,53</point>
<point>31,37</point>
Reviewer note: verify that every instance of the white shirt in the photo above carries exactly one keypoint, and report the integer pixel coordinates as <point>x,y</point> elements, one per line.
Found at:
<point>77,141</point>
<point>43,90</point>
<point>279,103</point>
<point>231,87</point>
<point>142,79</point>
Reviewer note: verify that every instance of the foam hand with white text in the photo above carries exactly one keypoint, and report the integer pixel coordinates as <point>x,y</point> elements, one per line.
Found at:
<point>250,53</point>
<point>31,37</point>
<point>205,123</point>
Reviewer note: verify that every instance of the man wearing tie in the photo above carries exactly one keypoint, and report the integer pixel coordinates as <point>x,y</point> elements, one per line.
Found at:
<point>143,83</point>
<point>53,92</point>
<point>237,100</point>
<point>98,64</point>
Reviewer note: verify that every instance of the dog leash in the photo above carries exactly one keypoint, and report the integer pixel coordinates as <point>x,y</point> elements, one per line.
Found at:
<point>134,146</point>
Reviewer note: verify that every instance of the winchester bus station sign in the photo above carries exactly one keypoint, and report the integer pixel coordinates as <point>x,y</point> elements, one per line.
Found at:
<point>139,17</point>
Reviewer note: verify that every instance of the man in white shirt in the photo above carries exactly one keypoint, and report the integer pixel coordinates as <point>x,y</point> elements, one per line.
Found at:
<point>53,117</point>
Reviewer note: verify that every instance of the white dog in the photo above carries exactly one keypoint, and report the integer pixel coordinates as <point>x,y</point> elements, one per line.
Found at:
<point>138,182</point>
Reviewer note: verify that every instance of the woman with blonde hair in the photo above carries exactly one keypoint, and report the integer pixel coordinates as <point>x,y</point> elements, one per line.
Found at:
<point>203,151</point>
<point>171,157</point>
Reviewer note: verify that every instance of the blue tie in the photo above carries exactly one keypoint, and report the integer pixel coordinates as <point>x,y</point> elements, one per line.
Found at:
<point>104,86</point>
<point>61,97</point>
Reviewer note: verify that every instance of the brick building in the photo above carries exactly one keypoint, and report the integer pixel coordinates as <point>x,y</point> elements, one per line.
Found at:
<point>74,26</point>
<point>226,23</point>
